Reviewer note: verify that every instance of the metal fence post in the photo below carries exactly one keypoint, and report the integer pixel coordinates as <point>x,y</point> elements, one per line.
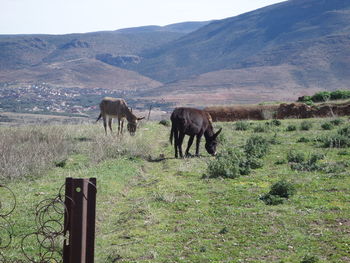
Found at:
<point>79,220</point>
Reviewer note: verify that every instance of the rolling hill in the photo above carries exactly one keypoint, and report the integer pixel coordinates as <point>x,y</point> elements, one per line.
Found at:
<point>278,52</point>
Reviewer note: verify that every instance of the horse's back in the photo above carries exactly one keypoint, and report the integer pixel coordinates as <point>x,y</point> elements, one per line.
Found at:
<point>113,107</point>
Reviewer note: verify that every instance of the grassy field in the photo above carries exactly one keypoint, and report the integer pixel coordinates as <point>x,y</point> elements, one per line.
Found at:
<point>154,208</point>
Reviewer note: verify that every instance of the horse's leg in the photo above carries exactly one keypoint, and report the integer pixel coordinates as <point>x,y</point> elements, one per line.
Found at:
<point>198,141</point>
<point>118,126</point>
<point>122,126</point>
<point>110,124</point>
<point>176,142</point>
<point>105,123</point>
<point>181,139</point>
<point>189,144</point>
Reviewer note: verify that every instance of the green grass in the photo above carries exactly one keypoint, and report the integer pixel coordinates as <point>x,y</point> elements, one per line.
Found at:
<point>154,208</point>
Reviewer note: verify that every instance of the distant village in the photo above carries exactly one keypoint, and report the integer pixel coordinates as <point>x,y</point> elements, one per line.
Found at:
<point>43,98</point>
<point>73,101</point>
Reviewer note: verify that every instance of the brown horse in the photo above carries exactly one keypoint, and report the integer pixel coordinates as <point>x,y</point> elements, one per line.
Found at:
<point>192,122</point>
<point>117,108</point>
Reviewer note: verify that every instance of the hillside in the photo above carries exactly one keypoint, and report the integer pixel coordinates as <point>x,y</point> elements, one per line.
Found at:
<point>282,33</point>
<point>290,48</point>
<point>83,73</point>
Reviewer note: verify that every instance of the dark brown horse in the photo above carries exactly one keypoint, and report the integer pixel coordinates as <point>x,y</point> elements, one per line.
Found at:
<point>192,122</point>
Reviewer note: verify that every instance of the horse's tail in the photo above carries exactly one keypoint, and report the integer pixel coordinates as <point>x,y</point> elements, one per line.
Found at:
<point>99,117</point>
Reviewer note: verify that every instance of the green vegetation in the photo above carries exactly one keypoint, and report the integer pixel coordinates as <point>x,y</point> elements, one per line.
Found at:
<point>278,193</point>
<point>242,125</point>
<point>154,208</point>
<point>326,96</point>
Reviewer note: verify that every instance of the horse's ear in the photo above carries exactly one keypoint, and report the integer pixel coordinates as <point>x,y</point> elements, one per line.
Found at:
<point>217,133</point>
<point>140,118</point>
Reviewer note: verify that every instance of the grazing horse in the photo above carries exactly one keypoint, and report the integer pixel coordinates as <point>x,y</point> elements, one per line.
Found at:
<point>117,108</point>
<point>192,122</point>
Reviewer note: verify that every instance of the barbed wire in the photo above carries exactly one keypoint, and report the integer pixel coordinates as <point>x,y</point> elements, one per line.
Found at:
<point>7,206</point>
<point>43,245</point>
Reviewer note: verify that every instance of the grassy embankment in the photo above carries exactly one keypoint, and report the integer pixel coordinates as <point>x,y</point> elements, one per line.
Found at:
<point>154,208</point>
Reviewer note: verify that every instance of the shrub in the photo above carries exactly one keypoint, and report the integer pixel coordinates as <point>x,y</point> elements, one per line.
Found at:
<point>281,161</point>
<point>337,122</point>
<point>344,131</point>
<point>309,259</point>
<point>304,98</point>
<point>326,95</point>
<point>276,122</point>
<point>261,128</point>
<point>303,139</point>
<point>278,193</point>
<point>254,163</point>
<point>311,164</point>
<point>321,96</point>
<point>228,165</point>
<point>283,189</point>
<point>256,146</point>
<point>340,94</point>
<point>272,199</point>
<point>335,141</point>
<point>233,163</point>
<point>343,153</point>
<point>295,156</point>
<point>305,125</point>
<point>165,123</point>
<point>291,127</point>
<point>309,103</point>
<point>242,125</point>
<point>327,126</point>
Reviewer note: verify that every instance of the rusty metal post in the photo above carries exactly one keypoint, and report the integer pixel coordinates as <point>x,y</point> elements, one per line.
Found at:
<point>79,220</point>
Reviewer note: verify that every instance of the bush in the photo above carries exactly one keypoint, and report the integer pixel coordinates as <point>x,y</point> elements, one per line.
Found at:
<point>295,156</point>
<point>291,127</point>
<point>321,96</point>
<point>327,126</point>
<point>309,259</point>
<point>278,193</point>
<point>304,98</point>
<point>242,125</point>
<point>337,122</point>
<point>256,146</point>
<point>276,122</point>
<point>165,123</point>
<point>228,165</point>
<point>326,95</point>
<point>261,128</point>
<point>283,189</point>
<point>335,141</point>
<point>340,94</point>
<point>305,125</point>
<point>344,131</point>
<point>279,162</point>
<point>311,164</point>
<point>272,199</point>
<point>303,139</point>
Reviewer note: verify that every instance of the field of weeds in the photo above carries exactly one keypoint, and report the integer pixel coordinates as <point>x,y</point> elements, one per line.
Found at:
<point>277,191</point>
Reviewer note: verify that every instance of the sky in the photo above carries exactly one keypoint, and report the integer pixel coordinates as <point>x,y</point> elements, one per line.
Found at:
<point>81,16</point>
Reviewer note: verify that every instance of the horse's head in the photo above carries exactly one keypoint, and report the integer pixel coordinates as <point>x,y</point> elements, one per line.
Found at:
<point>211,142</point>
<point>132,125</point>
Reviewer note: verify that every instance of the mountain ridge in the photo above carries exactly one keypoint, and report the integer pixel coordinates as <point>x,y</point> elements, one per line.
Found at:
<point>278,52</point>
